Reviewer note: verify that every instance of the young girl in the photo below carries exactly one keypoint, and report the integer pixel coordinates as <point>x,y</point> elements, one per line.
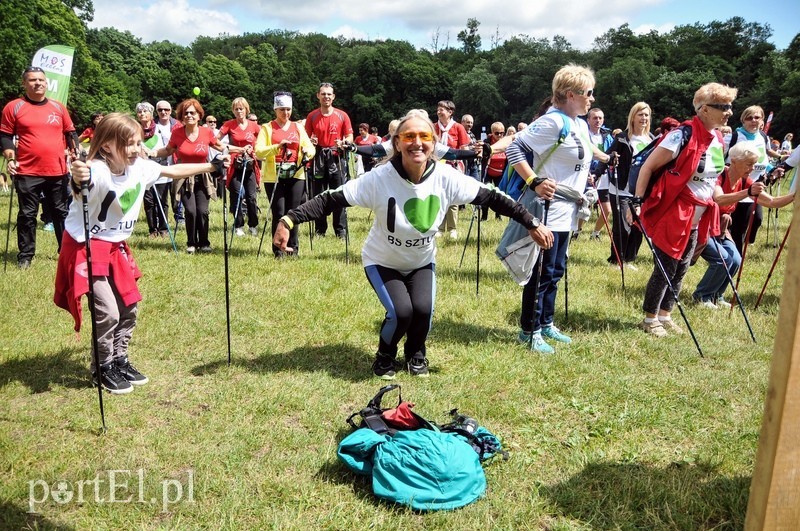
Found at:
<point>117,181</point>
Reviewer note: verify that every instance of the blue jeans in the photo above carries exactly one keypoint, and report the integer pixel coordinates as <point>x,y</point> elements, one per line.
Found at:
<point>712,286</point>
<point>553,266</point>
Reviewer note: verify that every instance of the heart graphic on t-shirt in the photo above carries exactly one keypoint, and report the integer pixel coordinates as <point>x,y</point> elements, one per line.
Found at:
<point>128,198</point>
<point>421,213</point>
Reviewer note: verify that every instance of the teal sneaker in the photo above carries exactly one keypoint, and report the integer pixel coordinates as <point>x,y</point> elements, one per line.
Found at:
<point>539,345</point>
<point>551,332</point>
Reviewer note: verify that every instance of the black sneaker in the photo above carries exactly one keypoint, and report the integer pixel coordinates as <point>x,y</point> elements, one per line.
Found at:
<point>130,373</point>
<point>112,380</point>
<point>383,366</point>
<point>418,365</point>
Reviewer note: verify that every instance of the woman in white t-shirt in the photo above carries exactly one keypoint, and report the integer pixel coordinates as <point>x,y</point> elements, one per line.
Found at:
<point>410,196</point>
<point>680,210</point>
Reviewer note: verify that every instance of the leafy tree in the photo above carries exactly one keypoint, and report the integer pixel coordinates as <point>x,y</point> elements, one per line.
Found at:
<point>469,38</point>
<point>477,93</point>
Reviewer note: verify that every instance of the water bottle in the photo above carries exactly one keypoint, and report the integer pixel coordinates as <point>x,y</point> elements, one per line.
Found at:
<point>483,133</point>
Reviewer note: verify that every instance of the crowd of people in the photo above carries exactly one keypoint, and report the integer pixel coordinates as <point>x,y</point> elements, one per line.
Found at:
<point>699,193</point>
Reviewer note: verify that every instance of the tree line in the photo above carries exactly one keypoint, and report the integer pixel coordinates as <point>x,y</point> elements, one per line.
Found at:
<point>376,81</point>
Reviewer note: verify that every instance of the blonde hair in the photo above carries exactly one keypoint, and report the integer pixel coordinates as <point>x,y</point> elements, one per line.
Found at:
<point>750,111</point>
<point>744,151</point>
<point>240,102</point>
<point>711,92</point>
<point>115,129</point>
<point>573,78</point>
<point>636,109</point>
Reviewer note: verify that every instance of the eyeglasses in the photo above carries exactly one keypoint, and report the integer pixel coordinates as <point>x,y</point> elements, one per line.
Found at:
<point>724,107</point>
<point>410,136</point>
<point>587,93</point>
<point>756,117</point>
<point>190,113</point>
<point>164,110</point>
<point>211,121</point>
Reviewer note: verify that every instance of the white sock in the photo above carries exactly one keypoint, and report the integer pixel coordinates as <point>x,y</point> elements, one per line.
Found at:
<point>664,318</point>
<point>649,320</point>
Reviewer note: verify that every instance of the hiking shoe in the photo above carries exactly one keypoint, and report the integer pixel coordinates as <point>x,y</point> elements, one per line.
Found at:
<point>631,266</point>
<point>670,326</point>
<point>418,365</point>
<point>190,249</point>
<point>239,232</point>
<point>112,380</point>
<point>454,234</point>
<point>539,345</point>
<point>253,231</point>
<point>656,328</point>
<point>24,264</point>
<point>709,305</point>
<point>130,373</point>
<point>383,366</point>
<point>205,249</point>
<point>722,303</point>
<point>551,332</point>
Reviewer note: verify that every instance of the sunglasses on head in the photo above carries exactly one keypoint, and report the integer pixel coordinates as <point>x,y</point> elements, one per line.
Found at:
<point>409,137</point>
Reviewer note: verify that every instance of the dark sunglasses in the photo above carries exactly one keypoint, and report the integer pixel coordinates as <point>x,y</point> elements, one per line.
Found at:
<point>164,110</point>
<point>720,106</point>
<point>499,133</point>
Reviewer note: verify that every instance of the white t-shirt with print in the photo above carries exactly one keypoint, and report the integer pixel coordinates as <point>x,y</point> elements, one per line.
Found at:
<point>637,143</point>
<point>568,164</point>
<point>402,237</point>
<point>704,179</point>
<point>114,201</point>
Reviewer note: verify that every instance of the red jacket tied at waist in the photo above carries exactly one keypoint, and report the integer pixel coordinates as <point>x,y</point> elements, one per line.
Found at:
<point>112,259</point>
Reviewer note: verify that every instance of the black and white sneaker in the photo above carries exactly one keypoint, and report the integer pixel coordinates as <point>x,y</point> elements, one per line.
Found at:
<point>130,373</point>
<point>112,380</point>
<point>418,365</point>
<point>383,366</point>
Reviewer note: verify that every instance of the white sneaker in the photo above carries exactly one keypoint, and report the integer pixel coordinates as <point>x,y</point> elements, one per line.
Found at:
<point>253,231</point>
<point>722,303</point>
<point>438,234</point>
<point>239,232</point>
<point>630,266</point>
<point>709,305</point>
<point>190,249</point>
<point>453,234</point>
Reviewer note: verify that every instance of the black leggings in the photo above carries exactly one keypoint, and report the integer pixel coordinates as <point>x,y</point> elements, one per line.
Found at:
<point>740,219</point>
<point>250,197</point>
<point>288,194</point>
<point>195,205</point>
<point>408,300</point>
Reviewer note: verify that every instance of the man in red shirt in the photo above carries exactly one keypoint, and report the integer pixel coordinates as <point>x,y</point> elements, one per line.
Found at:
<point>38,165</point>
<point>328,127</point>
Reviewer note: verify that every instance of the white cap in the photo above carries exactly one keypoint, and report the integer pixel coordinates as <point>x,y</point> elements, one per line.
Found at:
<point>282,100</point>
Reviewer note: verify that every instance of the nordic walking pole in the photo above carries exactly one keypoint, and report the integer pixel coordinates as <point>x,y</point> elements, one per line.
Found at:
<point>611,237</point>
<point>735,293</point>
<point>8,228</point>
<point>539,266</point>
<point>241,193</point>
<point>619,231</point>
<point>566,278</point>
<point>744,245</point>
<point>267,220</point>
<point>774,263</point>
<point>164,217</point>
<point>478,256</point>
<point>466,240</point>
<point>226,252</point>
<point>90,295</point>
<point>660,266</point>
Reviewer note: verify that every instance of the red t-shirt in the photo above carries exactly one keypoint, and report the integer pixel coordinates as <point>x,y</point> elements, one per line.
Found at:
<point>40,129</point>
<point>370,140</point>
<point>456,136</point>
<point>240,137</point>
<point>328,129</point>
<point>725,183</point>
<point>192,151</point>
<point>292,135</point>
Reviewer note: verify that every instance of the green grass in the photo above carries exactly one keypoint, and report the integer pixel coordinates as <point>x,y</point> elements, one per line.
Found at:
<point>616,431</point>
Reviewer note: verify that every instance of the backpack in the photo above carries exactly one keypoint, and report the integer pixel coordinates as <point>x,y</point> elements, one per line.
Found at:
<point>639,159</point>
<point>497,165</point>
<point>415,462</point>
<point>512,184</point>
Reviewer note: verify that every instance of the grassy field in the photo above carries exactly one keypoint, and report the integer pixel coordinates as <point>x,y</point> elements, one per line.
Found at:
<point>615,431</point>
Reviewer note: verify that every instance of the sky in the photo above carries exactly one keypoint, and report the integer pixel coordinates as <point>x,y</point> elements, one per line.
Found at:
<point>580,22</point>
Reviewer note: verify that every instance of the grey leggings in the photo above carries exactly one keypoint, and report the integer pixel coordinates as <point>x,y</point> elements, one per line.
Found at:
<point>115,321</point>
<point>655,295</point>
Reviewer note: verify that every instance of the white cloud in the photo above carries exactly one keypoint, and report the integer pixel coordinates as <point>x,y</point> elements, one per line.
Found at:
<point>173,20</point>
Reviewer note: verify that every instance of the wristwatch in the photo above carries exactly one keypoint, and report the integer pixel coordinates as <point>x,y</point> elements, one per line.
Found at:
<point>536,223</point>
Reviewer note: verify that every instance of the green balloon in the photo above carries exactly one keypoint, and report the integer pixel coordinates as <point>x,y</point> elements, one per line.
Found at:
<point>196,91</point>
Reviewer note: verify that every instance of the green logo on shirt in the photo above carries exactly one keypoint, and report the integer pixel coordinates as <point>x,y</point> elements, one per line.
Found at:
<point>421,213</point>
<point>128,198</point>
